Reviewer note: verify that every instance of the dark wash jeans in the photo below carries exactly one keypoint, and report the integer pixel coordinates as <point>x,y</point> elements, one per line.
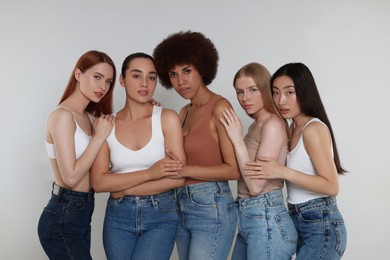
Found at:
<point>64,227</point>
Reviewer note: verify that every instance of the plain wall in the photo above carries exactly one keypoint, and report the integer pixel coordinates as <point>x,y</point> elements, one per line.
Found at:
<point>345,44</point>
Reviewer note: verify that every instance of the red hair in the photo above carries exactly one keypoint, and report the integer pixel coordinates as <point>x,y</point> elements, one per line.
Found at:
<point>85,62</point>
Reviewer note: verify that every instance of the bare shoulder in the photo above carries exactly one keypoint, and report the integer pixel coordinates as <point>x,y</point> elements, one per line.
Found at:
<point>168,113</point>
<point>220,105</point>
<point>316,132</point>
<point>274,122</point>
<point>169,116</point>
<point>60,116</point>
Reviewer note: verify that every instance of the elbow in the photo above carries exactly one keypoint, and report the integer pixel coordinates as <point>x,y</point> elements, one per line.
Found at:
<point>333,192</point>
<point>255,191</point>
<point>236,174</point>
<point>71,182</point>
<point>97,187</point>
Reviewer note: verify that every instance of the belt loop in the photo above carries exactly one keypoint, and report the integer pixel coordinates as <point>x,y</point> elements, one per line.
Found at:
<point>153,201</point>
<point>57,190</point>
<point>220,187</point>
<point>187,191</point>
<point>268,197</point>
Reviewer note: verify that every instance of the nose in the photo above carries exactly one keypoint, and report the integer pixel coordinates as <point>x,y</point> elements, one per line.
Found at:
<point>144,82</point>
<point>104,86</point>
<point>180,79</point>
<point>282,99</point>
<point>245,96</point>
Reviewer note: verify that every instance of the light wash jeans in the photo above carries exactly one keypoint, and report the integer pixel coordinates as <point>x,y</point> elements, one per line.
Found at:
<point>321,229</point>
<point>140,227</point>
<point>207,221</point>
<point>265,229</point>
<point>64,227</point>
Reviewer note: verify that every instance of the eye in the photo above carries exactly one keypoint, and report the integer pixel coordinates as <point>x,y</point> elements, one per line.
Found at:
<point>239,92</point>
<point>172,74</point>
<point>153,78</point>
<point>187,70</point>
<point>252,90</point>
<point>110,82</point>
<point>98,77</point>
<point>290,92</point>
<point>136,76</point>
<point>274,92</point>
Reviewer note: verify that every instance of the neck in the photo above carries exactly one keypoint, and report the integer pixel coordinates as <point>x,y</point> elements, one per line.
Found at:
<point>76,102</point>
<point>202,97</point>
<point>301,120</point>
<point>135,110</point>
<point>262,115</point>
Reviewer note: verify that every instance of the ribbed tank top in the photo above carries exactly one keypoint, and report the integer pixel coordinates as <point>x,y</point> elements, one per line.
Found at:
<point>124,159</point>
<point>298,159</point>
<point>200,146</point>
<point>81,139</point>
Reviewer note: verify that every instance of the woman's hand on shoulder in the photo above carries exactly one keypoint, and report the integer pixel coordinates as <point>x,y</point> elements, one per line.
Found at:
<point>232,125</point>
<point>103,126</point>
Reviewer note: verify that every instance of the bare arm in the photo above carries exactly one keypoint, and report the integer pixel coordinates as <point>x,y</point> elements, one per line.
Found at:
<point>61,126</point>
<point>318,145</point>
<point>272,138</point>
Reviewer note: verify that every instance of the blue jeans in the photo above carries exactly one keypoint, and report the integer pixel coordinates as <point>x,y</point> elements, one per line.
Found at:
<point>140,227</point>
<point>321,230</point>
<point>207,221</point>
<point>64,227</point>
<point>265,229</point>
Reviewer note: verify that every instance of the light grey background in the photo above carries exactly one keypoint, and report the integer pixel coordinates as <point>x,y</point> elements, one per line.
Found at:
<point>345,43</point>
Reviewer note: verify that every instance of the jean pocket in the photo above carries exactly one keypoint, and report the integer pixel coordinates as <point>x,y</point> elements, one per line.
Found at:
<point>204,199</point>
<point>313,215</point>
<point>341,236</point>
<point>45,223</point>
<point>167,205</point>
<point>253,211</point>
<point>286,227</point>
<point>112,203</point>
<point>75,206</point>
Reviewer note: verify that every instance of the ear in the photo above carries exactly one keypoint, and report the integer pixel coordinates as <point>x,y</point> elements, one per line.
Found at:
<point>122,80</point>
<point>77,74</point>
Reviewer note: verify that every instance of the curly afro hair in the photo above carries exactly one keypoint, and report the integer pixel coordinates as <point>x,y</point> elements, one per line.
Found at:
<point>186,48</point>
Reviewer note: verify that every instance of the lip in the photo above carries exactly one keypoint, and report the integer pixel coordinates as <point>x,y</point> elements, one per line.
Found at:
<point>143,93</point>
<point>183,90</point>
<point>284,111</point>
<point>247,106</point>
<point>99,94</point>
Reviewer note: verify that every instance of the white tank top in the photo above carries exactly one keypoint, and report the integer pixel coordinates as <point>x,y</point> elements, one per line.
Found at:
<point>81,140</point>
<point>299,160</point>
<point>124,159</point>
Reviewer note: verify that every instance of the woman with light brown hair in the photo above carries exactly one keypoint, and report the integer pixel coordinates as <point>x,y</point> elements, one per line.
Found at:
<point>265,230</point>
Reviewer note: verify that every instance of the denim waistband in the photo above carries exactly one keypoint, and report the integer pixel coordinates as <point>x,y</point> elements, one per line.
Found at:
<point>220,186</point>
<point>272,198</point>
<point>314,203</point>
<point>60,192</point>
<point>150,198</point>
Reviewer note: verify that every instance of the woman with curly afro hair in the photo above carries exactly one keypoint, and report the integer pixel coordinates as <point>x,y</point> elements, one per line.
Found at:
<point>188,61</point>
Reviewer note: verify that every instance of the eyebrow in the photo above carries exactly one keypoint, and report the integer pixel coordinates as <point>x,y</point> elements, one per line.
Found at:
<point>285,87</point>
<point>140,71</point>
